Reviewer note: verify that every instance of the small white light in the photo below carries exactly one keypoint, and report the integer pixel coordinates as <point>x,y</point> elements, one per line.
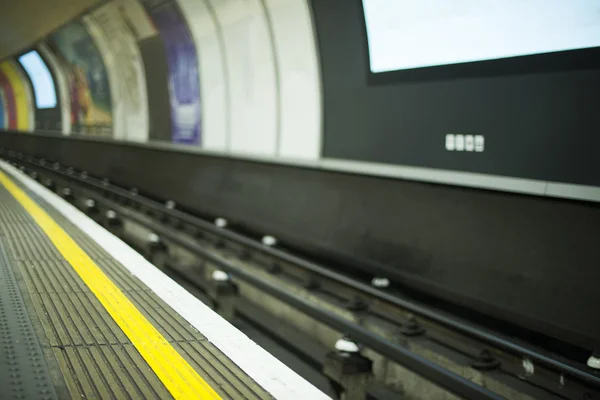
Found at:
<point>110,214</point>
<point>459,142</point>
<point>153,238</point>
<point>269,241</point>
<point>67,191</point>
<point>346,345</point>
<point>380,282</point>
<point>469,143</point>
<point>170,204</point>
<point>90,203</point>
<point>56,166</point>
<point>221,222</point>
<point>450,142</point>
<point>220,276</point>
<point>528,367</point>
<point>594,361</point>
<point>479,143</point>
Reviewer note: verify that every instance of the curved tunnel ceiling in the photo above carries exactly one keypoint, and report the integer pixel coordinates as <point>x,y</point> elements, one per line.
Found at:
<point>24,22</point>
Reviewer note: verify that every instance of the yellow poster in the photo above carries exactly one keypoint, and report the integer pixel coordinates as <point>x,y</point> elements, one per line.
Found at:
<point>21,97</point>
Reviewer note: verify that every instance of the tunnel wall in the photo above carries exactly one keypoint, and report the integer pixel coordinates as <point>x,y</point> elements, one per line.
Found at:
<point>61,85</point>
<point>204,27</point>
<point>538,114</point>
<point>26,90</point>
<point>508,255</point>
<point>259,69</point>
<point>182,69</point>
<point>238,77</point>
<point>18,96</point>
<point>3,110</point>
<point>89,81</point>
<point>48,118</point>
<point>9,104</point>
<point>527,260</point>
<point>122,58</point>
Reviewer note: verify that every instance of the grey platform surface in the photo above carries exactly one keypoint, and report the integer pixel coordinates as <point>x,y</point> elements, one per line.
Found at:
<point>23,370</point>
<point>87,353</point>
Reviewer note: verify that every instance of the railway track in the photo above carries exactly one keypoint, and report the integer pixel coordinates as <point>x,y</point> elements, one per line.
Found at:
<point>454,354</point>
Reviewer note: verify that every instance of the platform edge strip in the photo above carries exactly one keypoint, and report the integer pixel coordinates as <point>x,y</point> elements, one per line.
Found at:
<point>276,378</point>
<point>182,381</point>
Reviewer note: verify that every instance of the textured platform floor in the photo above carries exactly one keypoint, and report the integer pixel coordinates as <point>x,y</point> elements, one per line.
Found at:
<point>87,353</point>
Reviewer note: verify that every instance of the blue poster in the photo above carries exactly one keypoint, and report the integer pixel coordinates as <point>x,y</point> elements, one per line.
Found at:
<point>184,85</point>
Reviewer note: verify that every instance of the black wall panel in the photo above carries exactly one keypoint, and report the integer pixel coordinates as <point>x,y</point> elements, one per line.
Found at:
<point>540,125</point>
<point>154,57</point>
<point>529,260</point>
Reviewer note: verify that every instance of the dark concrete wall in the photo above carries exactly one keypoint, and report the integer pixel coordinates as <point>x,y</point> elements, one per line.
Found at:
<point>155,66</point>
<point>528,260</point>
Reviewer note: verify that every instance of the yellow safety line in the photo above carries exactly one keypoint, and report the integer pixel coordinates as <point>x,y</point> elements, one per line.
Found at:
<point>171,368</point>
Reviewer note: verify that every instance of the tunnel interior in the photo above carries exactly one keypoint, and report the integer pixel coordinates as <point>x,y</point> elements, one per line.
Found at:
<point>380,138</point>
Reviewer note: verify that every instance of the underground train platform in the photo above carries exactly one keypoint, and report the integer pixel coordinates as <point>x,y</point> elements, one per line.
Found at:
<point>109,324</point>
<point>299,199</point>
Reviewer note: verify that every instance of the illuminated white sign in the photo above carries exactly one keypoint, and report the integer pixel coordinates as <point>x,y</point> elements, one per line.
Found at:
<point>43,84</point>
<point>405,34</point>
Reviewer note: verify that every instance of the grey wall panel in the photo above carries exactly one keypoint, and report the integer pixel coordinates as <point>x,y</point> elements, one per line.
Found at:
<point>536,125</point>
<point>528,260</point>
<point>61,85</point>
<point>155,65</point>
<point>47,119</point>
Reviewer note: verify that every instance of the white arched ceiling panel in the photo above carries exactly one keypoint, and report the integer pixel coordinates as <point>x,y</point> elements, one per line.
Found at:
<point>299,78</point>
<point>120,45</point>
<point>253,88</point>
<point>117,101</point>
<point>137,19</point>
<point>208,39</point>
<point>62,87</point>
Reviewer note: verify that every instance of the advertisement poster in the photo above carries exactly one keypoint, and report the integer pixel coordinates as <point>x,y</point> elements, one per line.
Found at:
<point>67,72</point>
<point>27,96</point>
<point>8,100</point>
<point>184,85</point>
<point>18,97</point>
<point>426,33</point>
<point>91,108</point>
<point>2,109</point>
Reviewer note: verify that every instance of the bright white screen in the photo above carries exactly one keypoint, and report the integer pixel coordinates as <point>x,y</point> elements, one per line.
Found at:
<point>43,84</point>
<point>407,34</point>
